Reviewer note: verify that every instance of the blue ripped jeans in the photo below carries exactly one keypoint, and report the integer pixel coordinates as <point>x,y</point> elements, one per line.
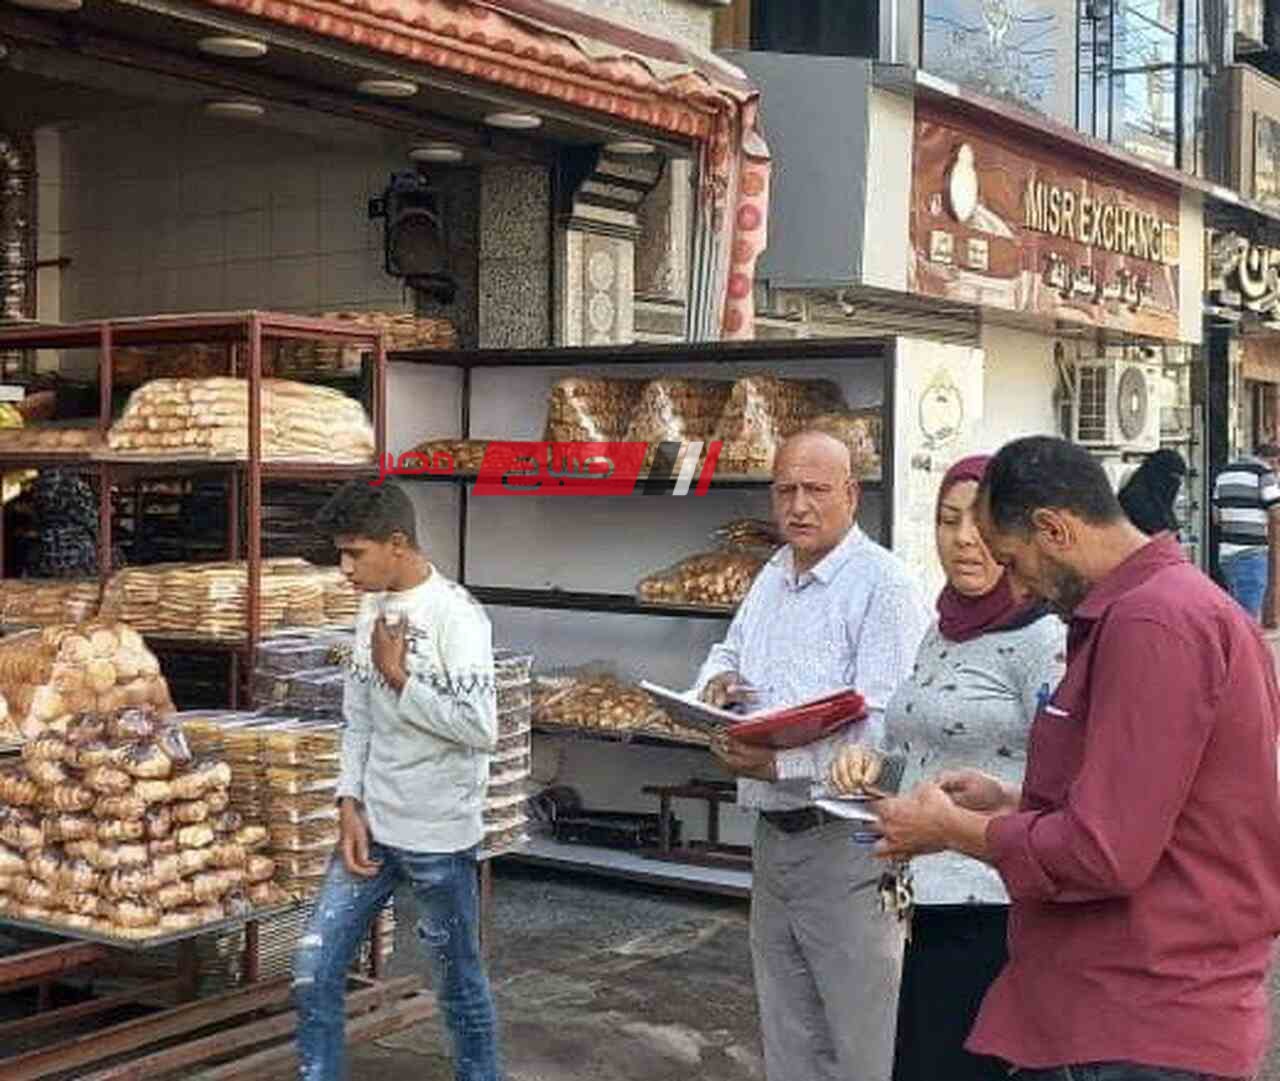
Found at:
<point>448,900</point>
<point>1113,1071</point>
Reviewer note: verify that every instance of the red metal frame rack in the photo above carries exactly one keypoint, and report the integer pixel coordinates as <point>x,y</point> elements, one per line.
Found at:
<point>245,334</point>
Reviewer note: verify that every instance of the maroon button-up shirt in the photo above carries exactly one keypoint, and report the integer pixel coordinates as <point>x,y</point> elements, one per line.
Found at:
<point>1144,862</point>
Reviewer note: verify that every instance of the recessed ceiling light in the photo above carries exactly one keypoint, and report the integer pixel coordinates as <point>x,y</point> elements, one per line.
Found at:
<point>234,48</point>
<point>236,110</point>
<point>436,152</point>
<point>514,121</point>
<point>630,148</point>
<point>388,88</point>
<point>49,5</point>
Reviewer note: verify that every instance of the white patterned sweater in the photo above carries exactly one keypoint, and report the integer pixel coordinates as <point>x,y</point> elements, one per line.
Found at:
<point>419,760</point>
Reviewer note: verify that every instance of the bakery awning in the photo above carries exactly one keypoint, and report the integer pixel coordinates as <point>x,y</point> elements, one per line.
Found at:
<point>545,50</point>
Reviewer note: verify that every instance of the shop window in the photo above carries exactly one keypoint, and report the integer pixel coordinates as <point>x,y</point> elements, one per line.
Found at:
<point>1140,85</point>
<point>1022,51</point>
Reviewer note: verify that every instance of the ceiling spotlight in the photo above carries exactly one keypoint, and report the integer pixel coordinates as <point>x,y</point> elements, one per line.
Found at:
<point>514,121</point>
<point>235,110</point>
<point>49,5</point>
<point>436,152</point>
<point>387,88</point>
<point>233,48</point>
<point>630,148</point>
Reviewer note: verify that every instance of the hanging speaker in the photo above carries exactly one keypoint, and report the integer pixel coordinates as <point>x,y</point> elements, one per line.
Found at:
<point>415,241</point>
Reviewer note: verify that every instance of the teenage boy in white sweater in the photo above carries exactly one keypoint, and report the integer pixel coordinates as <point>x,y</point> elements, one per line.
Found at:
<point>421,722</point>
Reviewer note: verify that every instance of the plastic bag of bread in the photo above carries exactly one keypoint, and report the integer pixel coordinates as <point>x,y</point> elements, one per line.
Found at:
<point>107,780</point>
<point>83,903</point>
<point>18,790</point>
<point>167,847</point>
<point>225,854</point>
<point>591,409</point>
<point>172,742</point>
<point>46,865</point>
<point>175,895</point>
<point>211,885</point>
<point>77,877</point>
<point>159,822</point>
<point>251,838</point>
<point>45,749</point>
<point>11,862</point>
<point>259,869</point>
<point>130,882</point>
<point>68,827</point>
<point>132,726</point>
<point>762,411</point>
<point>131,912</point>
<point>35,892</point>
<point>192,861</point>
<point>86,728</point>
<point>718,580</point>
<point>200,836</point>
<point>228,822</point>
<point>147,761</point>
<point>121,829</point>
<point>166,869</point>
<point>267,895</point>
<point>677,410</point>
<point>128,808</point>
<point>189,812</point>
<point>67,797</point>
<point>89,755</point>
<point>132,854</point>
<point>218,800</point>
<point>45,773</point>
<point>153,792</point>
<point>21,829</point>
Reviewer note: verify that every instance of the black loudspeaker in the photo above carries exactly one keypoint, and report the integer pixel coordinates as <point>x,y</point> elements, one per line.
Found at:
<point>415,242</point>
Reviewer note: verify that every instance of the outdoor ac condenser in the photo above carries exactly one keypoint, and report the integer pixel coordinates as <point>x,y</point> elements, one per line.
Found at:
<point>1116,405</point>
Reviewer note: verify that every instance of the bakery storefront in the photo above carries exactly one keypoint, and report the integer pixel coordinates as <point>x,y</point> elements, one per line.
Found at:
<point>246,252</point>
<point>1085,270</point>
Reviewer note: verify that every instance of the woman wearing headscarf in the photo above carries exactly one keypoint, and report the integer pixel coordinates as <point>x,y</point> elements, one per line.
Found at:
<point>1150,492</point>
<point>980,675</point>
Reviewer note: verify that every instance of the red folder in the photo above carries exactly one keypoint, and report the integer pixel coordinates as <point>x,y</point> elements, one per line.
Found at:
<point>794,727</point>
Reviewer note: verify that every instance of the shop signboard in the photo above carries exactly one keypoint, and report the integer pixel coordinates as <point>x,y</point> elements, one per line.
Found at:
<point>999,222</point>
<point>1241,277</point>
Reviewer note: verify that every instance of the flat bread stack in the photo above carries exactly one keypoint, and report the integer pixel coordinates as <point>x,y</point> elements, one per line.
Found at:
<point>43,601</point>
<point>184,417</point>
<point>210,600</point>
<point>112,825</point>
<point>48,440</point>
<point>402,330</point>
<point>715,580</point>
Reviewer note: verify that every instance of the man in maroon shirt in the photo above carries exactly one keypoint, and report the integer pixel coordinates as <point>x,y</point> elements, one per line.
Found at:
<point>1142,855</point>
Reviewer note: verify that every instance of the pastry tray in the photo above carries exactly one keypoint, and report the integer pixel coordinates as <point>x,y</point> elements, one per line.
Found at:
<point>61,930</point>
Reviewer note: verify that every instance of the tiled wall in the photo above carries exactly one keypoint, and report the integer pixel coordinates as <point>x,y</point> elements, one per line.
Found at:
<point>163,212</point>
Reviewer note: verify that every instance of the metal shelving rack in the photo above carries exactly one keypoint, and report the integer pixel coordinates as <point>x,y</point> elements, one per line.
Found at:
<point>245,334</point>
<point>587,859</point>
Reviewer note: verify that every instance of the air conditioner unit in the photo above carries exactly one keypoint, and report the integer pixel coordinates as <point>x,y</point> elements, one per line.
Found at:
<point>1116,405</point>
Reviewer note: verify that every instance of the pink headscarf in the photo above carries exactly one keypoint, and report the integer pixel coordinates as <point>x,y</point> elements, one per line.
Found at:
<point>962,618</point>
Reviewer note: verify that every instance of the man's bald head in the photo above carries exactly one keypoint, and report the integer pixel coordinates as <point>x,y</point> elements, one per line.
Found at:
<point>815,496</point>
<point>817,447</point>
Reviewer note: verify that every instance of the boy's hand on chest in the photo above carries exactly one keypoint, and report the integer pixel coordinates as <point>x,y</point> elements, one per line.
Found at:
<point>390,649</point>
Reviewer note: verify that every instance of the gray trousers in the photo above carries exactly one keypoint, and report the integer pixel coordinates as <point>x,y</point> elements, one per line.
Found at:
<point>827,961</point>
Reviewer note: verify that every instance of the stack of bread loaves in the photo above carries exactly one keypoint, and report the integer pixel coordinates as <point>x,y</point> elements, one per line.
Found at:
<point>108,823</point>
<point>50,676</point>
<point>211,417</point>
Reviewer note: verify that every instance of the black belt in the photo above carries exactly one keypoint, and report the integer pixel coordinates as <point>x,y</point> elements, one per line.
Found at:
<point>797,821</point>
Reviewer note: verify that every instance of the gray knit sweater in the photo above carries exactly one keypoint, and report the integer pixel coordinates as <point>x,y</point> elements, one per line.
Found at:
<point>971,704</point>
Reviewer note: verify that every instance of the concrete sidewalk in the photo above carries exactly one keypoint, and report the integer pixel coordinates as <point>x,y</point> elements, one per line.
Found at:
<point>599,981</point>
